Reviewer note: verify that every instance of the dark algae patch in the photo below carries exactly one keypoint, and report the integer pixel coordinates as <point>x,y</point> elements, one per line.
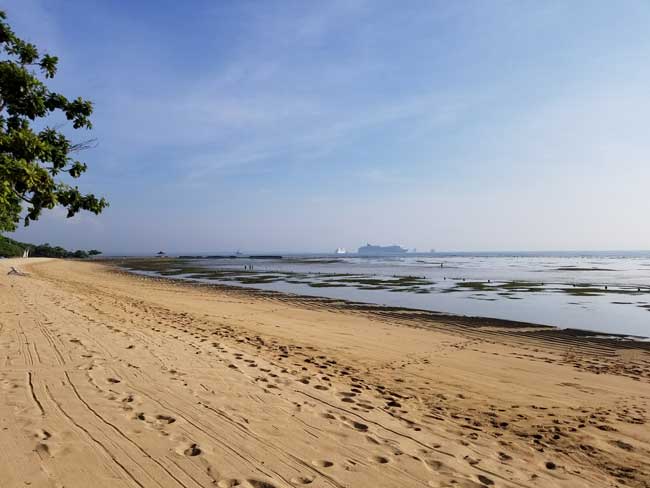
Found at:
<point>509,289</point>
<point>325,285</point>
<point>576,268</point>
<point>503,288</point>
<point>184,268</point>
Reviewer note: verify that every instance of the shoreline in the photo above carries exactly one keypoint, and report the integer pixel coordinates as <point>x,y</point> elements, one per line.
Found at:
<point>397,312</point>
<point>113,379</point>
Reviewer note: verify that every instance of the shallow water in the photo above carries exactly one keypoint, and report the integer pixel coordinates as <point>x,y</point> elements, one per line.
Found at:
<point>607,292</point>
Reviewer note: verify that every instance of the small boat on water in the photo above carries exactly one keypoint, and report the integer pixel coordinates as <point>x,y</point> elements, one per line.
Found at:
<point>340,250</point>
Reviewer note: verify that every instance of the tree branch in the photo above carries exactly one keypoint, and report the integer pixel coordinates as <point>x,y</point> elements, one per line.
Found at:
<point>22,197</point>
<point>82,146</point>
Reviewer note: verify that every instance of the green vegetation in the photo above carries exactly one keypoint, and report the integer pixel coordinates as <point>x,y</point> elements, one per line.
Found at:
<point>317,284</point>
<point>523,286</point>
<point>479,290</point>
<point>9,247</point>
<point>575,268</point>
<point>406,281</point>
<point>469,285</point>
<point>12,248</point>
<point>32,161</point>
<point>181,267</point>
<point>508,289</point>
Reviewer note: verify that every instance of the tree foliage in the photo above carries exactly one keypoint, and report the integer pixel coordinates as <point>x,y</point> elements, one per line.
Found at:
<point>11,248</point>
<point>31,160</point>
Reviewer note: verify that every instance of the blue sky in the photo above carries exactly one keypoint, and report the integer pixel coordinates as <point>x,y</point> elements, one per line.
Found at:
<point>304,126</point>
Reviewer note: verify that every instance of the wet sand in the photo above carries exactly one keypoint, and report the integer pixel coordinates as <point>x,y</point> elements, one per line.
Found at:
<point>108,379</point>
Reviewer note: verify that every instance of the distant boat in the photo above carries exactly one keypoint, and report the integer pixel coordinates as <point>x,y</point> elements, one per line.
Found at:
<point>371,250</point>
<point>341,250</point>
<point>26,253</point>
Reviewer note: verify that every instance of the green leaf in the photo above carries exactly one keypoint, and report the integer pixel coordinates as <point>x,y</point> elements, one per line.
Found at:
<point>31,161</point>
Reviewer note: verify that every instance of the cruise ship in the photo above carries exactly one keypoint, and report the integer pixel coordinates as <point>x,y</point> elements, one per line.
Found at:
<point>370,249</point>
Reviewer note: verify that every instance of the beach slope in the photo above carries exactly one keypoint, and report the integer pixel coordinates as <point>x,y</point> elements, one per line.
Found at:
<point>113,380</point>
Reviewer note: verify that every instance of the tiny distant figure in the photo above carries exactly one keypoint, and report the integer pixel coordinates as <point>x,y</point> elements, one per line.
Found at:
<point>489,281</point>
<point>441,265</point>
<point>605,287</point>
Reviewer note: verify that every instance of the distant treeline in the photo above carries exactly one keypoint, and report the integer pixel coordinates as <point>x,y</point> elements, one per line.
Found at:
<point>12,248</point>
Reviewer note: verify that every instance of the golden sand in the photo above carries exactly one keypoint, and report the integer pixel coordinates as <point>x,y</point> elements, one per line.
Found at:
<point>111,380</point>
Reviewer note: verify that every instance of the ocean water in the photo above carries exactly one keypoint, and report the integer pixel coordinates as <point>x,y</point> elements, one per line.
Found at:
<point>606,291</point>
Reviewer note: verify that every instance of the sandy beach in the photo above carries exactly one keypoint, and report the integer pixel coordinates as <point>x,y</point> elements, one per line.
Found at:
<point>115,380</point>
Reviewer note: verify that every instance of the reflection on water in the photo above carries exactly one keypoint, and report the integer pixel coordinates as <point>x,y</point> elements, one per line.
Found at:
<point>599,291</point>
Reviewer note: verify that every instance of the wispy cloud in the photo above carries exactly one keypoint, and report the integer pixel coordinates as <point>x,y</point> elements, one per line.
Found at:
<point>241,116</point>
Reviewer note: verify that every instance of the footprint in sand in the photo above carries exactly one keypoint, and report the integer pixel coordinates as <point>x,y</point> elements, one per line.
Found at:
<point>380,459</point>
<point>434,465</point>
<point>485,480</point>
<point>365,406</point>
<point>192,450</point>
<point>166,419</point>
<point>303,480</point>
<point>42,449</point>
<point>43,434</point>
<point>471,460</point>
<point>260,484</point>
<point>357,425</point>
<point>504,457</point>
<point>229,483</point>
